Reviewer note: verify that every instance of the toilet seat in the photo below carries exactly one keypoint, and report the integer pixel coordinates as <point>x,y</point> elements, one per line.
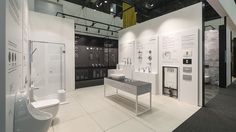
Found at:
<point>45,103</point>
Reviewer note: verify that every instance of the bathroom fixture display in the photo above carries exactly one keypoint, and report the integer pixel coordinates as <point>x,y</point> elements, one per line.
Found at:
<point>93,57</point>
<point>50,106</point>
<point>134,87</point>
<point>170,81</point>
<point>140,55</point>
<point>117,76</point>
<point>28,118</point>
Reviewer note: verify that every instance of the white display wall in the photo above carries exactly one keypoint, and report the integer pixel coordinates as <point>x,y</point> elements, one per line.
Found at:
<point>14,35</point>
<point>47,28</point>
<point>172,37</point>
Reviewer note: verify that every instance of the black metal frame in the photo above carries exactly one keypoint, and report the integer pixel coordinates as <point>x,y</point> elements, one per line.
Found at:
<point>100,35</point>
<point>63,15</point>
<point>163,81</point>
<point>117,28</point>
<point>203,53</point>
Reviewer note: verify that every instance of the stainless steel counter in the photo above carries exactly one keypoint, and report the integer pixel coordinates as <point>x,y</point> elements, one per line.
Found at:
<point>133,87</point>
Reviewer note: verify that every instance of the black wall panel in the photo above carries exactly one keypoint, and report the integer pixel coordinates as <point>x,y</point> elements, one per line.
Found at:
<point>222,56</point>
<point>93,57</point>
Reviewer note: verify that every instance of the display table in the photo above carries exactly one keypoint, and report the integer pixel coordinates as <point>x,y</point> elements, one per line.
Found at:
<point>133,87</point>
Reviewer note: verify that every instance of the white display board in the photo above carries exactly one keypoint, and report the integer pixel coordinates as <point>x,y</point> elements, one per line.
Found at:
<point>146,55</point>
<point>126,52</point>
<point>180,49</point>
<point>170,49</point>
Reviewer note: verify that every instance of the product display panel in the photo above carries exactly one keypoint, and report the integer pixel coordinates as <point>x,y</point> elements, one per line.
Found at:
<point>93,57</point>
<point>170,81</point>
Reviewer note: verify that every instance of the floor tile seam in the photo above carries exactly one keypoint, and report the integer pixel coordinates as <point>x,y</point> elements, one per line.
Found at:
<point>146,124</point>
<point>118,124</point>
<point>91,117</point>
<point>74,118</point>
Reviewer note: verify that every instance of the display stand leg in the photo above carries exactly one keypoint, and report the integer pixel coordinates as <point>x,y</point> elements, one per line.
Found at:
<point>150,100</point>
<point>104,90</point>
<point>136,105</point>
<point>116,91</point>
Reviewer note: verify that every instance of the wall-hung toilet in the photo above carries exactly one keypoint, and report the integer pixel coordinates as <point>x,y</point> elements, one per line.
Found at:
<point>50,106</point>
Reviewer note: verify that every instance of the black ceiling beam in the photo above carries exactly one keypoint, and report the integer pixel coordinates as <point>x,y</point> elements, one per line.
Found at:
<point>101,35</point>
<point>81,18</point>
<point>96,27</point>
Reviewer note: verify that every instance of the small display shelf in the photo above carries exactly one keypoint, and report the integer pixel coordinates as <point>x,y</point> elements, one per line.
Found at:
<point>170,81</point>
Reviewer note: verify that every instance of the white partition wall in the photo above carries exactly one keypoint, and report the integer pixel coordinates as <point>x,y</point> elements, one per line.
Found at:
<point>54,29</point>
<point>185,28</point>
<point>13,36</point>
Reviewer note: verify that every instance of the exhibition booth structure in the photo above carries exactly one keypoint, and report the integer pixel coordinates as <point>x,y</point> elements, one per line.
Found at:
<point>166,52</point>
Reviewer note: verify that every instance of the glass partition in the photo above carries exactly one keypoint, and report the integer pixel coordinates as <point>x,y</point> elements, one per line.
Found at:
<point>47,68</point>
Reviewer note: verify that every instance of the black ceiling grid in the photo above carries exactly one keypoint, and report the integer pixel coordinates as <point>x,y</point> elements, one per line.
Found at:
<point>144,12</point>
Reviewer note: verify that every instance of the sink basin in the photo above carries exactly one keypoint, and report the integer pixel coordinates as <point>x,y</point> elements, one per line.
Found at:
<point>118,76</point>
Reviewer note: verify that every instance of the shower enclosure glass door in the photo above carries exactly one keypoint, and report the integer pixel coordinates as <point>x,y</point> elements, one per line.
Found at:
<point>47,68</point>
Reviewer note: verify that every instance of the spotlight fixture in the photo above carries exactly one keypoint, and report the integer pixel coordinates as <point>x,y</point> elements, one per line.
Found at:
<point>93,24</point>
<point>99,3</point>
<point>149,4</point>
<point>108,27</point>
<point>105,1</point>
<point>98,30</point>
<point>86,29</point>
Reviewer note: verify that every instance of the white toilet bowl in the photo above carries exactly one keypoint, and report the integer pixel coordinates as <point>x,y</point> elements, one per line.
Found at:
<point>29,119</point>
<point>50,106</point>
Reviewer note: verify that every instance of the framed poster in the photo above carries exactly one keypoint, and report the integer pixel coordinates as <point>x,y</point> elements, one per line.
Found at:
<point>170,81</point>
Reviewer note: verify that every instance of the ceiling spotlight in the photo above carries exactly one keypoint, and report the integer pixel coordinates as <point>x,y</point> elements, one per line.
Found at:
<point>105,1</point>
<point>149,5</point>
<point>98,3</point>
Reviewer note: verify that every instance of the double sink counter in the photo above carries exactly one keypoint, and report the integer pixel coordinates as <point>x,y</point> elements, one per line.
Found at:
<point>133,87</point>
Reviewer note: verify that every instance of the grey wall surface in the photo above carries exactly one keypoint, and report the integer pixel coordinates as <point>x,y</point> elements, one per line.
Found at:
<point>2,66</point>
<point>212,55</point>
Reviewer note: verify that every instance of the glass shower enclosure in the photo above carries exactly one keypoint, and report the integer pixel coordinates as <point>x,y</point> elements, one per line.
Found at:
<point>47,68</point>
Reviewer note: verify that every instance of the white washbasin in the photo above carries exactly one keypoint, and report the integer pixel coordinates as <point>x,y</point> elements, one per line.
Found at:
<point>118,76</point>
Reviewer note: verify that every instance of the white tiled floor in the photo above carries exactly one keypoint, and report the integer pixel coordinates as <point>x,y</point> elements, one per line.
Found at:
<point>89,111</point>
